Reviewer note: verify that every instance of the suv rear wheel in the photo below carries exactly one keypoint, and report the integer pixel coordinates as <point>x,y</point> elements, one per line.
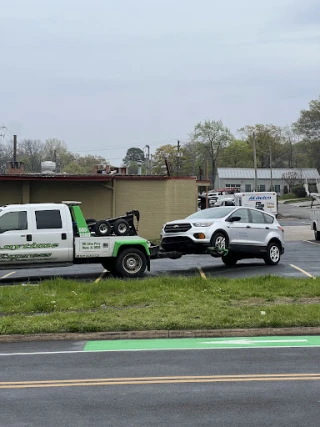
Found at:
<point>273,254</point>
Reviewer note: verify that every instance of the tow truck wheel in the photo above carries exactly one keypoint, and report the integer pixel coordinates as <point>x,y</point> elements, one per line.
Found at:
<point>317,235</point>
<point>109,264</point>
<point>102,228</point>
<point>121,227</point>
<point>131,262</point>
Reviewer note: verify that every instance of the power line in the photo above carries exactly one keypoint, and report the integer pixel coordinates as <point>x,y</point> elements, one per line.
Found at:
<point>108,147</point>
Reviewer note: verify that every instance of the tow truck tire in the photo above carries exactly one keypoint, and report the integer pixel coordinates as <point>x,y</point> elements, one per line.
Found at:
<point>109,264</point>
<point>102,228</point>
<point>317,235</point>
<point>273,254</point>
<point>131,262</point>
<point>121,227</point>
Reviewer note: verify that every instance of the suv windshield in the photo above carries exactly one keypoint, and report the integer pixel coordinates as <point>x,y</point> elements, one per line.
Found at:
<point>212,213</point>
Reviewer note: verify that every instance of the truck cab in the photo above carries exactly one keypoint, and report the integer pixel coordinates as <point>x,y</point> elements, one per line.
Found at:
<point>35,234</point>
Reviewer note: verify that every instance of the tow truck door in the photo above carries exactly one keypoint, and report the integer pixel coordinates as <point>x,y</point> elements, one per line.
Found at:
<point>14,235</point>
<point>53,234</point>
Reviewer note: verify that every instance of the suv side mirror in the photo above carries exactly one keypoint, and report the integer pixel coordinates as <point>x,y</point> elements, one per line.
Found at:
<point>235,218</point>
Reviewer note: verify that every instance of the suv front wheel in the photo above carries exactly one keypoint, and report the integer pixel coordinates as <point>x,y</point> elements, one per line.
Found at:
<point>273,254</point>
<point>219,241</point>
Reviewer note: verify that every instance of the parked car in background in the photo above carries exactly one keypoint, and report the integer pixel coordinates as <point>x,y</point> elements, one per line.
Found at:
<point>232,233</point>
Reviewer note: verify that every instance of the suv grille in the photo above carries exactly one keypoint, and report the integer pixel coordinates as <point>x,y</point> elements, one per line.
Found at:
<point>177,228</point>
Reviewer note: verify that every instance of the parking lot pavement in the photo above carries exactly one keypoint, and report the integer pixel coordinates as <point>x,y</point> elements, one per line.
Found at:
<point>297,232</point>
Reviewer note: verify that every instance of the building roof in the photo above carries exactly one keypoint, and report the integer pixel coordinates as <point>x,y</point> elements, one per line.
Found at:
<point>92,178</point>
<point>264,173</point>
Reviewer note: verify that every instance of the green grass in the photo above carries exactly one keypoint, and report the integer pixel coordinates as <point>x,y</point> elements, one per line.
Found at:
<point>298,200</point>
<point>293,198</point>
<point>159,303</point>
<point>287,196</point>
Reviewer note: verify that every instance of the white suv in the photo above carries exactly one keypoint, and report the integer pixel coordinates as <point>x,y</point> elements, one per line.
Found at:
<point>232,233</point>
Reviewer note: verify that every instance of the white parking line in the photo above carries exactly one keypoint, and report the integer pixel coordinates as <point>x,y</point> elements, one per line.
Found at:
<point>7,275</point>
<point>302,271</point>
<point>312,243</point>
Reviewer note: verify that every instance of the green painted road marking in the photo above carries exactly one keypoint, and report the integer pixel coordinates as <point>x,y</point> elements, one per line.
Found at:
<point>202,343</point>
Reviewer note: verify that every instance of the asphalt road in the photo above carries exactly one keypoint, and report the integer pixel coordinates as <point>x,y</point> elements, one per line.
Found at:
<point>238,387</point>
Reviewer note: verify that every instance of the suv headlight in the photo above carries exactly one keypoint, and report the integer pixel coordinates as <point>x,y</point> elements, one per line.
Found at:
<point>202,224</point>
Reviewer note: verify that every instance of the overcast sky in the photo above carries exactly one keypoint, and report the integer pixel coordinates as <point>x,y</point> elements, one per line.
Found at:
<point>107,75</point>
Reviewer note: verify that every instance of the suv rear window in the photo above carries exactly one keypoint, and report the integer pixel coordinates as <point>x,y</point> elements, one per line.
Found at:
<point>268,218</point>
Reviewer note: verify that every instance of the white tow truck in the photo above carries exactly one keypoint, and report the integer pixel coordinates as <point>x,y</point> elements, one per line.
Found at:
<point>57,234</point>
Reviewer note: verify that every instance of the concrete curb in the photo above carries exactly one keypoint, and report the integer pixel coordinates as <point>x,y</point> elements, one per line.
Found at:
<point>129,335</point>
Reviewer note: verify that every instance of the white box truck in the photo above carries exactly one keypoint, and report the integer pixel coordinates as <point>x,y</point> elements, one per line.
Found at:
<point>265,201</point>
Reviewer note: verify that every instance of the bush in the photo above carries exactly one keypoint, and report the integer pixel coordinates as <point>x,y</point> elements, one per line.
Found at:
<point>299,190</point>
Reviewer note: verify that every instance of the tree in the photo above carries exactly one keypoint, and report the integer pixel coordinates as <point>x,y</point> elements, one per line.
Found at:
<point>292,178</point>
<point>30,153</point>
<point>87,162</point>
<point>133,156</point>
<point>75,169</point>
<point>308,123</point>
<point>6,153</point>
<point>191,159</point>
<point>268,141</point>
<point>211,137</point>
<point>56,150</point>
<point>165,152</point>
<point>238,154</point>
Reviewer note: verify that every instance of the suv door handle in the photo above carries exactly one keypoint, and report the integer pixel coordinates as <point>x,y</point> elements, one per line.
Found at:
<point>248,226</point>
<point>29,237</point>
<point>267,228</point>
<point>64,236</point>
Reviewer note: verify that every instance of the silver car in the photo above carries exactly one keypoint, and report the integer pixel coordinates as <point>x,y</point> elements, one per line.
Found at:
<point>232,233</point>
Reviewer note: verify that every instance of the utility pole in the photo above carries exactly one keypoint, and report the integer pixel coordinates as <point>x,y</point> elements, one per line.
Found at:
<point>178,156</point>
<point>271,180</point>
<point>14,148</point>
<point>148,160</point>
<point>255,161</point>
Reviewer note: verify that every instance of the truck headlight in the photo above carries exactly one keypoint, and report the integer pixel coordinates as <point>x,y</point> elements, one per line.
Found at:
<point>202,224</point>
